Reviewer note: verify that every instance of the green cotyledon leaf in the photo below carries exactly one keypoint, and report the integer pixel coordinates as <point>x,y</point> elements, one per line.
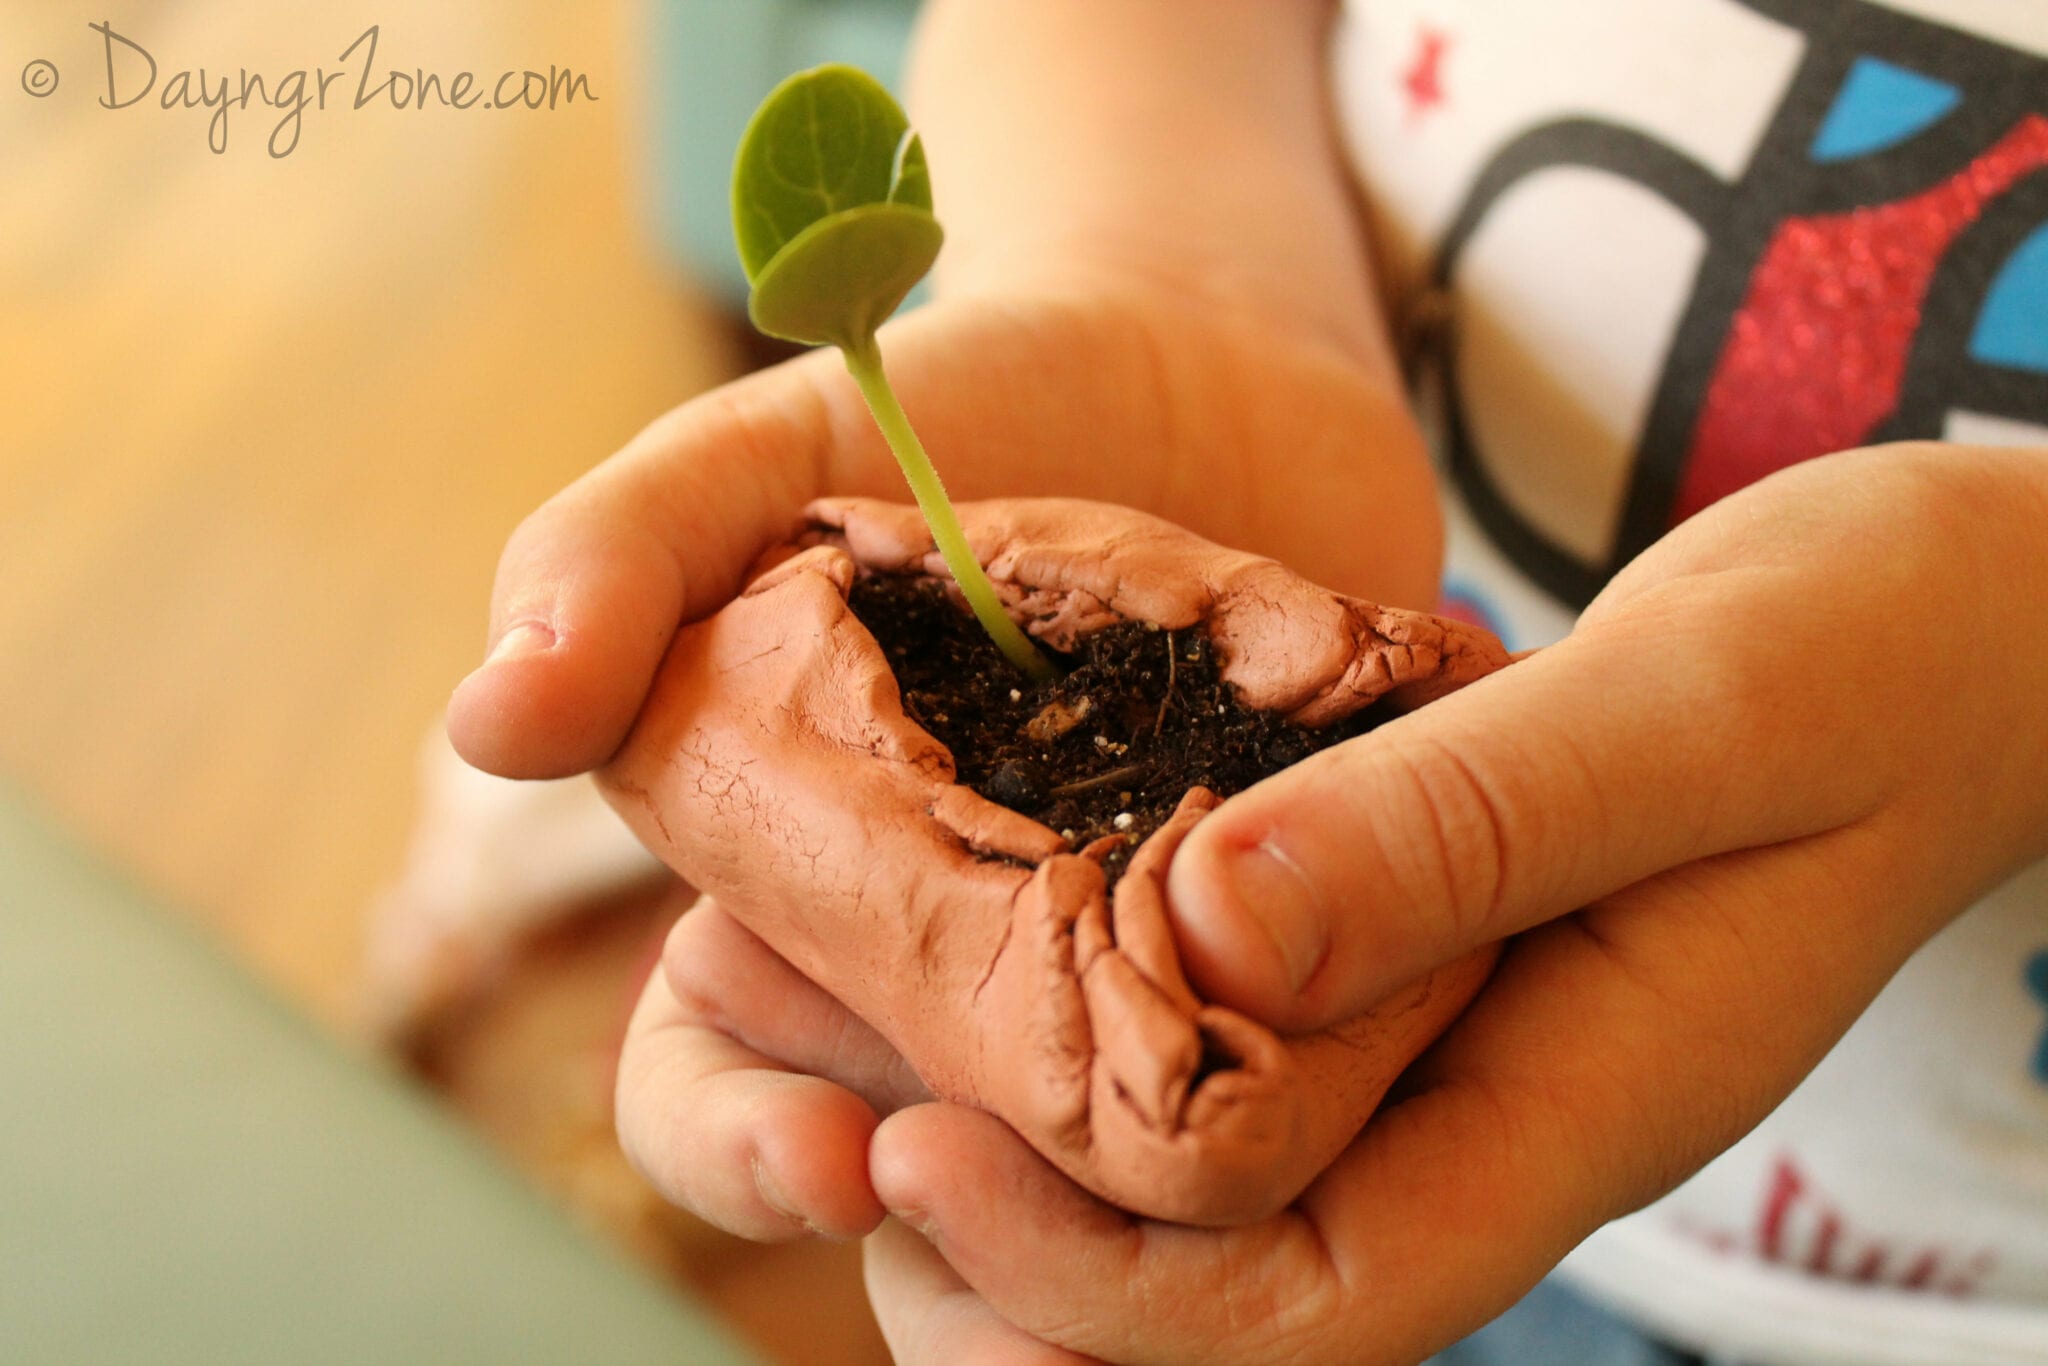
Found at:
<point>824,141</point>
<point>832,211</point>
<point>840,278</point>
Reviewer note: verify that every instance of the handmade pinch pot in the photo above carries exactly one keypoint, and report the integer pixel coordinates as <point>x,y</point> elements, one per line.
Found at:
<point>774,768</point>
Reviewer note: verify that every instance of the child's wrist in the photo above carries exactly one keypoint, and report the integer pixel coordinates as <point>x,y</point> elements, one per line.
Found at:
<point>1333,309</point>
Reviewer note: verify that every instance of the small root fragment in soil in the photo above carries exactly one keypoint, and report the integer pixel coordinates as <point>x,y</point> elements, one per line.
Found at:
<point>1114,776</point>
<point>1167,700</point>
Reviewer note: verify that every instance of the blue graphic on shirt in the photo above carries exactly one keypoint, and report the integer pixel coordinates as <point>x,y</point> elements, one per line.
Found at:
<point>1467,601</point>
<point>1880,106</point>
<point>2037,982</point>
<point>2012,330</point>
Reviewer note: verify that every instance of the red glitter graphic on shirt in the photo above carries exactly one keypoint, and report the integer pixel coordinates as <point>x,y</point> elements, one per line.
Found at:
<point>1423,80</point>
<point>1817,353</point>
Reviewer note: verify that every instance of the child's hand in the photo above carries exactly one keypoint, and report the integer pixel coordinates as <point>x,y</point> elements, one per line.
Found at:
<point>1221,417</point>
<point>1783,748</point>
<point>1786,746</point>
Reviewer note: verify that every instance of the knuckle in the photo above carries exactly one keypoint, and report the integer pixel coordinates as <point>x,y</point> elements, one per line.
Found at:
<point>668,1135</point>
<point>637,1113</point>
<point>693,960</point>
<point>521,552</point>
<point>781,418</point>
<point>1452,853</point>
<point>540,534</point>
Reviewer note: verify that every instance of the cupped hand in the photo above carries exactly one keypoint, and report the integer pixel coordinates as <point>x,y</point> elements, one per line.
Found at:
<point>1786,746</point>
<point>1213,415</point>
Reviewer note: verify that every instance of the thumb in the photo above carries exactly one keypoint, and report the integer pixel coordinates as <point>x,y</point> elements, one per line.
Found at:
<point>593,584</point>
<point>1569,775</point>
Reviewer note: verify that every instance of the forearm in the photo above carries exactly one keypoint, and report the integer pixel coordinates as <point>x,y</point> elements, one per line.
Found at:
<point>1182,143</point>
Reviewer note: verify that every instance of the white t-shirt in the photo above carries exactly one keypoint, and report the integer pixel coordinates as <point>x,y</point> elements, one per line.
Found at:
<point>1657,249</point>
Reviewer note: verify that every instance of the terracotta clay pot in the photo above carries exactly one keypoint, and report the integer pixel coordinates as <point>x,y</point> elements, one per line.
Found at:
<point>774,768</point>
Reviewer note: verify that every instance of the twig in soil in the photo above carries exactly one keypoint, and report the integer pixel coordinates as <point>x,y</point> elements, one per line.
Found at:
<point>1115,775</point>
<point>1167,700</point>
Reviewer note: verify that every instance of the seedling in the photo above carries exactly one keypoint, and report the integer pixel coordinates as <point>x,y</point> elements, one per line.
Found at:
<point>832,210</point>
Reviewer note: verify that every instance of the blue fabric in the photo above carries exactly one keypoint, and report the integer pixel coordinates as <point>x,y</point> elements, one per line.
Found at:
<point>1880,106</point>
<point>1553,1326</point>
<point>2013,328</point>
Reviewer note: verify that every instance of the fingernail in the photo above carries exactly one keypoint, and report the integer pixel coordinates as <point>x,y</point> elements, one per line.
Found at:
<point>923,1223</point>
<point>523,638</point>
<point>772,1196</point>
<point>1272,889</point>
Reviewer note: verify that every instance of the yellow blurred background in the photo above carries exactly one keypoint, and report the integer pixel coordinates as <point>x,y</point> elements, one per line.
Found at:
<point>267,421</point>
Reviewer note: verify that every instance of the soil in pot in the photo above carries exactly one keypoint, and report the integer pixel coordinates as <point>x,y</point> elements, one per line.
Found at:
<point>1138,716</point>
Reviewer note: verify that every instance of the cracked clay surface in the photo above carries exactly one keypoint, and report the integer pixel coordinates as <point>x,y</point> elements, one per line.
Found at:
<point>774,768</point>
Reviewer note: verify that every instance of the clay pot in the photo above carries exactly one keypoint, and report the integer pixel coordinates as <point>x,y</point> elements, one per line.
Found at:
<point>773,767</point>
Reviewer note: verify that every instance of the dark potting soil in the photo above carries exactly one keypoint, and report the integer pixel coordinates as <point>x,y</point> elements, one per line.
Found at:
<point>1138,716</point>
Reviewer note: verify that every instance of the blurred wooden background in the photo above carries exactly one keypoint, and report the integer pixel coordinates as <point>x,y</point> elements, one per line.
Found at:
<point>267,422</point>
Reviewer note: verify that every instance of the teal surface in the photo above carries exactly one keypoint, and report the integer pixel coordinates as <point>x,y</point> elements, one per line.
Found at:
<point>190,1173</point>
<point>713,61</point>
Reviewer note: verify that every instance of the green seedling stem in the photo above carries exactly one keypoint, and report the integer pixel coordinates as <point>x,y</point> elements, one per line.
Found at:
<point>832,213</point>
<point>864,360</point>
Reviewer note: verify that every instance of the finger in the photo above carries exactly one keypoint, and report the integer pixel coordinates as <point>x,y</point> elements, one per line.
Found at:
<point>725,977</point>
<point>592,585</point>
<point>930,1317</point>
<point>1612,1055</point>
<point>1639,744</point>
<point>733,1135</point>
<point>1070,1270</point>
